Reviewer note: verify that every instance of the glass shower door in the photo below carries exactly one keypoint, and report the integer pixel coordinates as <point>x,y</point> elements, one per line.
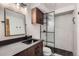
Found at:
<point>47,32</point>
<point>50,30</point>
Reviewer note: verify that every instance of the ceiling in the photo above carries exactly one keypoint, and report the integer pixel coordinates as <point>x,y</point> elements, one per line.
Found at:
<point>48,7</point>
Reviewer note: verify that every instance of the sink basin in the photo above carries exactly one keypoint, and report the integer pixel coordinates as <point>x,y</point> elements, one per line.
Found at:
<point>30,41</point>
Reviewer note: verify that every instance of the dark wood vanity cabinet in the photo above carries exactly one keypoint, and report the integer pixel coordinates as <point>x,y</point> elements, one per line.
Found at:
<point>39,49</point>
<point>37,16</point>
<point>35,50</point>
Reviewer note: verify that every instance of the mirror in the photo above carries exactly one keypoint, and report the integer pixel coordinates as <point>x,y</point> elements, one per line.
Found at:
<point>14,23</point>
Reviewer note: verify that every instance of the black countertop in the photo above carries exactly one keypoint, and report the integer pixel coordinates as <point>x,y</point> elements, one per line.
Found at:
<point>9,41</point>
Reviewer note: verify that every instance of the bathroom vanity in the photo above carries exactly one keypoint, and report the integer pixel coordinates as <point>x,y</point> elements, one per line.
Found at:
<point>25,47</point>
<point>34,50</point>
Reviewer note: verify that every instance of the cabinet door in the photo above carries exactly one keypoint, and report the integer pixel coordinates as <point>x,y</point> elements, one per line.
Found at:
<point>37,16</point>
<point>30,52</point>
<point>39,49</point>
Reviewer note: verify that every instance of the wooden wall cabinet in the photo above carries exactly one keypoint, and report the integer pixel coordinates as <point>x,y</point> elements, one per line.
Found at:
<point>36,50</point>
<point>37,16</point>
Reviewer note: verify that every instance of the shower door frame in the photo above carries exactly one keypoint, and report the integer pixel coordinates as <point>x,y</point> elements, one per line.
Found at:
<point>47,30</point>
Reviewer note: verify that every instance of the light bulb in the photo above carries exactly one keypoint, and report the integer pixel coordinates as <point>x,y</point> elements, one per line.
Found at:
<point>18,5</point>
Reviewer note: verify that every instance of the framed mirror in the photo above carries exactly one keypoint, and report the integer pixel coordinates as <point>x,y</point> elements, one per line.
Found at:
<point>14,23</point>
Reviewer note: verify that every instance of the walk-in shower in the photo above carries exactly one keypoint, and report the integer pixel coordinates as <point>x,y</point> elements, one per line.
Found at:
<point>47,30</point>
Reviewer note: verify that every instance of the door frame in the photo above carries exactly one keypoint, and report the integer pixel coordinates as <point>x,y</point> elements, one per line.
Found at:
<point>73,12</point>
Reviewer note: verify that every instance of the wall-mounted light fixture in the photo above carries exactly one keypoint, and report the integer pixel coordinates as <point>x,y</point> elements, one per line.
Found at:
<point>21,5</point>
